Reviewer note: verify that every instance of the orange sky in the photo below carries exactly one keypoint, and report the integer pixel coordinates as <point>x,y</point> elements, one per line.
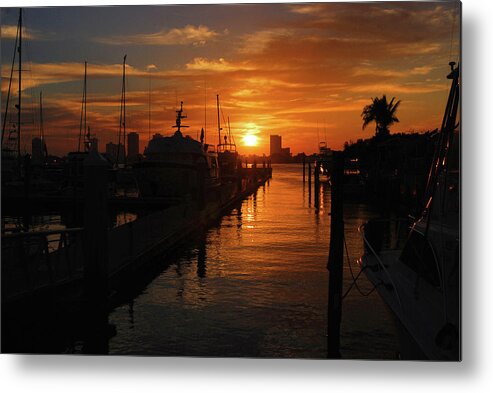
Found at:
<point>303,71</point>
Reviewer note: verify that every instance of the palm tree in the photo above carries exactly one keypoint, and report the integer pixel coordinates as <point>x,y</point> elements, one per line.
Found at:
<point>382,113</point>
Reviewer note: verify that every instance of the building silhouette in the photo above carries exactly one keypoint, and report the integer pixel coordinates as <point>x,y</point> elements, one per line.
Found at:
<point>278,154</point>
<point>275,144</point>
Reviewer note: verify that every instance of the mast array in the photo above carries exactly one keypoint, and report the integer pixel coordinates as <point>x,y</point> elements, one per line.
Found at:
<point>179,116</point>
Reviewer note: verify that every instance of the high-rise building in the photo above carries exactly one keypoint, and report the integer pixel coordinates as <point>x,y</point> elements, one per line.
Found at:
<point>275,144</point>
<point>133,144</point>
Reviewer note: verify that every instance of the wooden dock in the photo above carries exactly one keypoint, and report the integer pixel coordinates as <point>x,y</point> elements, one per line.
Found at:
<point>32,271</point>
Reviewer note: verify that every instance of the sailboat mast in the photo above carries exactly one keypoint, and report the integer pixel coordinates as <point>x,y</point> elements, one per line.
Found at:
<point>124,114</point>
<point>83,117</point>
<point>20,87</point>
<point>41,125</point>
<point>218,119</point>
<point>149,131</point>
<point>122,118</point>
<point>4,124</point>
<point>41,128</point>
<point>86,136</point>
<point>205,111</point>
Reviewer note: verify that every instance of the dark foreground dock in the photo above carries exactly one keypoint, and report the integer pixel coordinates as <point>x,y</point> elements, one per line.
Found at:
<point>90,268</point>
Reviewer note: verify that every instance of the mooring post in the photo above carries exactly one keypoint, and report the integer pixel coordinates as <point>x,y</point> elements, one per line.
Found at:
<point>316,184</point>
<point>309,182</point>
<point>309,177</point>
<point>335,262</point>
<point>304,169</point>
<point>96,252</point>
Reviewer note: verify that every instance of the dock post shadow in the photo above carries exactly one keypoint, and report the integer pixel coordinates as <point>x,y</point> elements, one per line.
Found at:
<point>335,261</point>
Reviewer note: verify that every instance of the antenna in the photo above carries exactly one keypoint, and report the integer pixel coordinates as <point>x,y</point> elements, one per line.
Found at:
<point>218,119</point>
<point>205,111</point>
<point>124,112</point>
<point>85,101</point>
<point>229,131</point>
<point>149,70</point>
<point>179,116</point>
<point>83,112</point>
<point>122,118</point>
<point>41,130</point>
<point>318,135</point>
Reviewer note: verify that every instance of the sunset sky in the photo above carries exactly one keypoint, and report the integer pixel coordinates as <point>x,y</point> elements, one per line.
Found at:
<point>304,71</point>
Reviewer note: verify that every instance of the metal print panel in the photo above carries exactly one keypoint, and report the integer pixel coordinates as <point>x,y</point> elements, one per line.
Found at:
<point>242,180</point>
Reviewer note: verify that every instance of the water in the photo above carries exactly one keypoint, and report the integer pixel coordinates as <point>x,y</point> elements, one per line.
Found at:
<point>256,284</point>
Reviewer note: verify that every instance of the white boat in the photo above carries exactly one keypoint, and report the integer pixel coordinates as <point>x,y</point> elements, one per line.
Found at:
<point>176,166</point>
<point>420,281</point>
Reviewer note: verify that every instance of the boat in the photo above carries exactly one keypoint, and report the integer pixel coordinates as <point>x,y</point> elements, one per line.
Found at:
<point>354,181</point>
<point>177,165</point>
<point>324,159</point>
<point>419,278</point>
<point>226,151</point>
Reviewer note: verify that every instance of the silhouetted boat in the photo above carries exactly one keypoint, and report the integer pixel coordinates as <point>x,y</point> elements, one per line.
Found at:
<point>421,280</point>
<point>176,166</point>
<point>226,151</point>
<point>324,158</point>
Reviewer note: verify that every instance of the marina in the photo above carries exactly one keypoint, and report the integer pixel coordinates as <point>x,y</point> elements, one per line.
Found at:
<point>175,204</point>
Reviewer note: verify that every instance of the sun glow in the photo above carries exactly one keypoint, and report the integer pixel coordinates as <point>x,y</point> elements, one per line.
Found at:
<point>250,140</point>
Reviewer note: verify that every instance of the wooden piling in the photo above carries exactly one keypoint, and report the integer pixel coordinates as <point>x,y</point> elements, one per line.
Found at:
<point>96,252</point>
<point>336,255</point>
<point>316,184</point>
<point>309,177</point>
<point>304,163</point>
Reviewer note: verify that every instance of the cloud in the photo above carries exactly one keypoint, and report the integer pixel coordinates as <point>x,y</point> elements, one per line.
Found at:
<point>187,35</point>
<point>392,73</point>
<point>54,73</point>
<point>402,88</point>
<point>259,41</point>
<point>287,72</point>
<point>220,65</point>
<point>307,9</point>
<point>9,32</point>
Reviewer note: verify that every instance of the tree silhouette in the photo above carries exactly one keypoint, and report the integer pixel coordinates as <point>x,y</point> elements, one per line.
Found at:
<point>382,113</point>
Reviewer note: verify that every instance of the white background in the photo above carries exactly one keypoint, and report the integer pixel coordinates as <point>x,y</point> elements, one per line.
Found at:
<point>474,373</point>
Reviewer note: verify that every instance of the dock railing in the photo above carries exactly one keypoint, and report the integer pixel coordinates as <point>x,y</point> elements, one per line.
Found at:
<point>34,261</point>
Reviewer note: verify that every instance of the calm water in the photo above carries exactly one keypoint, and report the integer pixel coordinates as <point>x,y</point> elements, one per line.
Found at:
<point>256,285</point>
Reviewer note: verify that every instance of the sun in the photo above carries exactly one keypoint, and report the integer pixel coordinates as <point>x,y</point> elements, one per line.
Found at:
<point>250,140</point>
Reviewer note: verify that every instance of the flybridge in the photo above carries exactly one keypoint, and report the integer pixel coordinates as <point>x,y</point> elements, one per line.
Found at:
<point>229,144</point>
